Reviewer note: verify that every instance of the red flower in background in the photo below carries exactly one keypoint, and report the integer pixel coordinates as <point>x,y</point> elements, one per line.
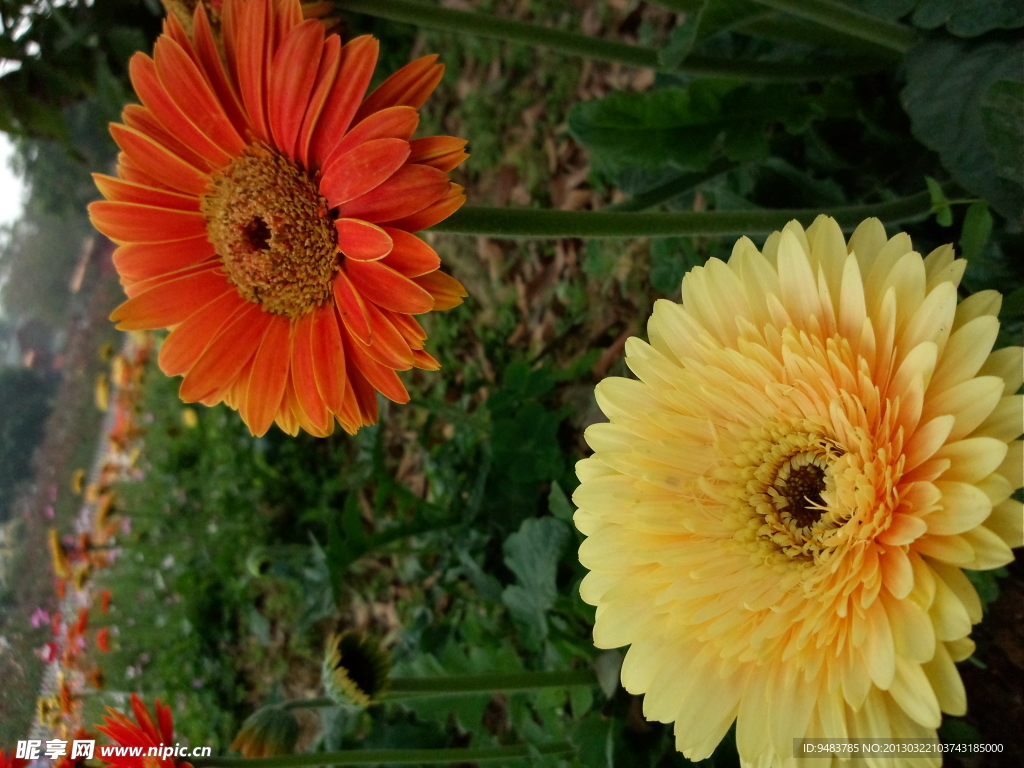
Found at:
<point>103,639</point>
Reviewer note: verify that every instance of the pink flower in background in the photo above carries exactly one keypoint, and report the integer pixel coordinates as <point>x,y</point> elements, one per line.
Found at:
<point>52,491</point>
<point>39,618</point>
<point>48,511</point>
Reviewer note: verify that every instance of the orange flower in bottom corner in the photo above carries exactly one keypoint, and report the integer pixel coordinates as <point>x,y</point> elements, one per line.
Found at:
<point>10,761</point>
<point>142,733</point>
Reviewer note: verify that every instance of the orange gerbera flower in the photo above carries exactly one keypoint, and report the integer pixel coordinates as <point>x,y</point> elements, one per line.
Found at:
<point>265,210</point>
<point>10,761</point>
<point>142,733</point>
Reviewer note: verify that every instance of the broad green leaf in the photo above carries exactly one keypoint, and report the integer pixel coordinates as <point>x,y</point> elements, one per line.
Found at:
<point>648,130</point>
<point>969,18</point>
<point>1002,113</point>
<point>947,82</point>
<point>976,230</point>
<point>940,204</point>
<point>532,554</point>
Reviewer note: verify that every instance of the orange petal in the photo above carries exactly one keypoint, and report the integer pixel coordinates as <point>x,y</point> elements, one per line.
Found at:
<point>351,307</point>
<point>329,364</point>
<point>410,256</point>
<point>308,399</point>
<point>134,288</point>
<point>200,151</point>
<point>122,191</point>
<point>194,95</point>
<point>358,58</point>
<point>409,190</point>
<point>360,407</point>
<point>255,39</point>
<point>409,327</point>
<point>383,378</point>
<point>363,168</point>
<point>209,58</point>
<point>287,418</point>
<point>221,362</point>
<point>173,29</point>
<point>143,120</point>
<point>269,377</point>
<point>158,162</point>
<point>361,240</point>
<point>393,123</point>
<point>170,302</point>
<point>140,261</point>
<point>432,214</point>
<point>131,222</point>
<point>441,152</point>
<point>233,394</point>
<point>446,290</point>
<point>128,171</point>
<point>424,361</point>
<point>387,346</point>
<point>186,341</point>
<point>410,86</point>
<point>388,289</point>
<point>292,77</point>
<point>326,73</point>
<point>178,133</point>
<point>287,15</point>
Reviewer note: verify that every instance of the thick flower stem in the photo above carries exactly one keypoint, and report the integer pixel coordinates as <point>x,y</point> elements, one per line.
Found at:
<point>387,756</point>
<point>843,18</point>
<point>503,682</point>
<point>572,43</point>
<point>547,223</point>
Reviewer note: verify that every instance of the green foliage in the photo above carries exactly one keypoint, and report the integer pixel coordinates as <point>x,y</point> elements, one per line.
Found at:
<point>532,554</point>
<point>948,83</point>
<point>976,231</point>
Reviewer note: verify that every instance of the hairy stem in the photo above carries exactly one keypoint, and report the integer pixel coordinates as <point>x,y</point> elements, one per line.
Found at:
<point>386,756</point>
<point>572,43</point>
<point>546,223</point>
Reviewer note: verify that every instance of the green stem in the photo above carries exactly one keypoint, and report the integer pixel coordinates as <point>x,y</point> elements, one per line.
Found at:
<point>502,682</point>
<point>386,756</point>
<point>546,223</point>
<point>323,701</point>
<point>573,43</point>
<point>677,186</point>
<point>850,21</point>
<point>774,26</point>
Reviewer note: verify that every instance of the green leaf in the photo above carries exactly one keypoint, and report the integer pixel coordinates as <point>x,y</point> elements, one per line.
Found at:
<point>940,203</point>
<point>559,503</point>
<point>647,130</point>
<point>947,83</point>
<point>969,18</point>
<point>987,584</point>
<point>976,230</point>
<point>1002,113</point>
<point>681,41</point>
<point>532,554</point>
<point>1013,305</point>
<point>671,258</point>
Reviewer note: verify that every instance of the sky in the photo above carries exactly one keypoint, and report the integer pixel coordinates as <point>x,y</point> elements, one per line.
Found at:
<point>11,187</point>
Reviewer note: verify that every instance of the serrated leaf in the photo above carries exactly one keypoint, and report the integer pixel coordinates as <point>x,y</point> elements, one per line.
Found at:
<point>947,81</point>
<point>1002,113</point>
<point>532,554</point>
<point>976,230</point>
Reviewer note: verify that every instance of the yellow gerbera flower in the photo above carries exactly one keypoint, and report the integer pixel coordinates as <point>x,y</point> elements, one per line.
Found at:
<point>780,510</point>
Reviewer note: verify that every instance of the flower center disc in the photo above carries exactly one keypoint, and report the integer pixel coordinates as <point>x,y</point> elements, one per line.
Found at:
<point>798,486</point>
<point>273,230</point>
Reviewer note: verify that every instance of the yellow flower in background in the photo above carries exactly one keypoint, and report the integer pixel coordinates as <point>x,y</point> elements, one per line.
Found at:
<point>77,480</point>
<point>102,392</point>
<point>780,510</point>
<point>58,557</point>
<point>189,418</point>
